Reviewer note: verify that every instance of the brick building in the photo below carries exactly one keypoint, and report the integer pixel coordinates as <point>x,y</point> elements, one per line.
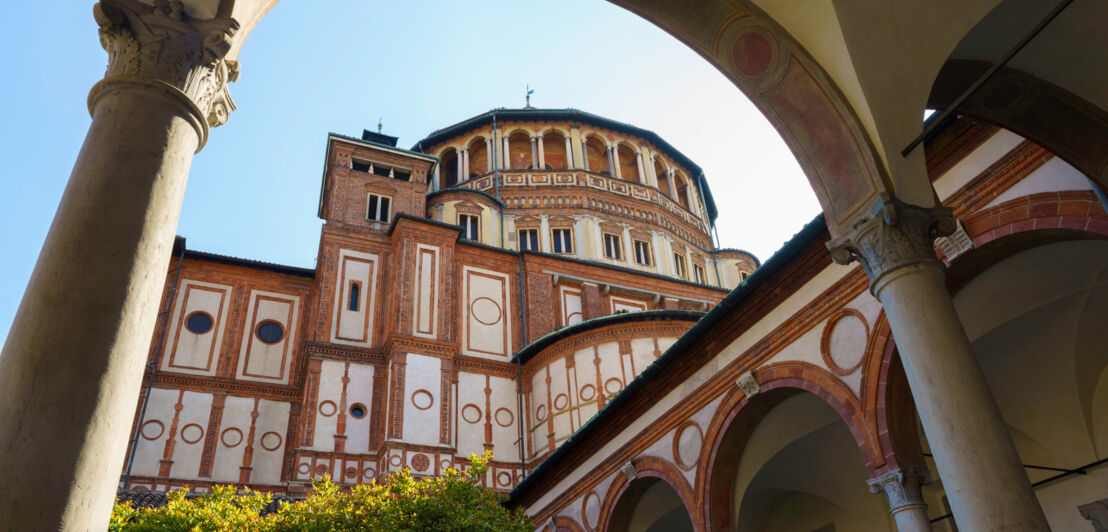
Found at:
<point>460,287</point>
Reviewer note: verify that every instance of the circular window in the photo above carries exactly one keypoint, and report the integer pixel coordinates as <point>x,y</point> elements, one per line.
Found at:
<point>357,410</point>
<point>198,322</point>
<point>270,332</point>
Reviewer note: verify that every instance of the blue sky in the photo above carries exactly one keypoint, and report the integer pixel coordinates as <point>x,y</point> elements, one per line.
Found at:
<point>338,65</point>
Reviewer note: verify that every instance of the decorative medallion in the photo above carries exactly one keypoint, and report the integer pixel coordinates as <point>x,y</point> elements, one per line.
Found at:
<point>271,441</point>
<point>192,433</point>
<point>420,463</point>
<point>231,437</point>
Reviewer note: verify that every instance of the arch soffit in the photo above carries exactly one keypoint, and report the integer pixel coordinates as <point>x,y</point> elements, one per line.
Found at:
<point>746,412</point>
<point>649,467</point>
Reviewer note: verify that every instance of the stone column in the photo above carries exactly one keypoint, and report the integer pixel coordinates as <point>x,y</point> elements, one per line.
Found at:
<point>464,175</point>
<point>507,155</point>
<point>902,488</point>
<point>981,472</point>
<point>544,234</point>
<point>628,246</point>
<point>461,166</point>
<point>488,155</point>
<point>638,163</point>
<point>534,153</point>
<point>569,153</point>
<point>670,185</point>
<point>435,178</point>
<point>72,365</point>
<point>542,154</point>
<point>585,154</point>
<point>613,161</point>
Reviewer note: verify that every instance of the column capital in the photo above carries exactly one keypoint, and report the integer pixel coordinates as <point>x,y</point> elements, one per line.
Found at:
<point>162,47</point>
<point>891,236</point>
<point>901,487</point>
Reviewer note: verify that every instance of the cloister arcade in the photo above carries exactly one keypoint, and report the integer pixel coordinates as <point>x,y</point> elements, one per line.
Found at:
<point>845,83</point>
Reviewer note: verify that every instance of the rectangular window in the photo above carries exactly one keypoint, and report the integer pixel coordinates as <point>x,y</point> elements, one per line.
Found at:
<point>355,296</point>
<point>563,240</point>
<point>529,239</point>
<point>612,246</point>
<point>378,209</point>
<point>698,274</point>
<point>679,268</point>
<point>360,166</point>
<point>469,226</point>
<point>642,253</point>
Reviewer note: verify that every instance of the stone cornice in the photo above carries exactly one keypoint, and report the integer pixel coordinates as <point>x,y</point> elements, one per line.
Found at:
<point>163,48</point>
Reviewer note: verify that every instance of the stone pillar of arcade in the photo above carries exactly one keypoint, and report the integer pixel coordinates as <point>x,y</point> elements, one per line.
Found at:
<point>72,365</point>
<point>902,489</point>
<point>980,470</point>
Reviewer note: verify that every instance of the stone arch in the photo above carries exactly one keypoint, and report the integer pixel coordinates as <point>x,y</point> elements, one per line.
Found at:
<point>887,402</point>
<point>519,149</point>
<point>596,150</point>
<point>565,524</point>
<point>554,148</point>
<point>739,415</point>
<point>448,167</point>
<point>682,189</point>
<point>627,159</point>
<point>661,173</point>
<point>624,492</point>
<point>478,156</point>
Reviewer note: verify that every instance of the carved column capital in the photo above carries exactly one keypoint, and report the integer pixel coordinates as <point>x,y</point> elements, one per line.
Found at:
<point>163,47</point>
<point>891,236</point>
<point>902,487</point>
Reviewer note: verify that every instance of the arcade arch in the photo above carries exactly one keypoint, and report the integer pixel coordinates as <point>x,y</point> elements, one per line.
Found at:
<point>554,150</point>
<point>519,151</point>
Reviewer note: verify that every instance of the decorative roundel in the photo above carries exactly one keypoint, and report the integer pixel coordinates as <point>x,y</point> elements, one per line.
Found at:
<point>590,510</point>
<point>422,399</point>
<point>504,417</point>
<point>687,443</point>
<point>843,343</point>
<point>561,401</point>
<point>752,53</point>
<point>152,429</point>
<point>351,472</point>
<point>320,470</point>
<point>231,437</point>
<point>420,463</point>
<point>369,473</point>
<point>357,410</point>
<point>269,332</point>
<point>588,392</point>
<point>327,408</point>
<point>540,412</point>
<point>485,311</point>
<point>199,322</point>
<point>471,413</point>
<point>192,433</point>
<point>613,385</point>
<point>396,460</point>
<point>271,441</point>
<point>504,478</point>
<point>444,465</point>
<point>304,468</point>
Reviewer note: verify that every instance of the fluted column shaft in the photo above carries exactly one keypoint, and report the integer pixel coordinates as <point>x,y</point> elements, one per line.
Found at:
<point>981,472</point>
<point>72,365</point>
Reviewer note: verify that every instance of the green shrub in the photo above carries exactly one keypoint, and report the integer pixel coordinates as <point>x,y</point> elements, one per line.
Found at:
<point>453,501</point>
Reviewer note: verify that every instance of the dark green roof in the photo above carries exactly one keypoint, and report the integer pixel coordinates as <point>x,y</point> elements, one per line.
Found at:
<point>576,115</point>
<point>535,347</point>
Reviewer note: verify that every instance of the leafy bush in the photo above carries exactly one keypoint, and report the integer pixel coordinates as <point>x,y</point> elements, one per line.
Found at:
<point>453,501</point>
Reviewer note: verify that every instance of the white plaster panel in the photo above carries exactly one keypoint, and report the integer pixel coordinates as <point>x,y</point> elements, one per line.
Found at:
<point>1053,176</point>
<point>665,343</point>
<point>559,397</point>
<point>642,352</point>
<point>486,314</point>
<point>327,404</point>
<point>571,306</point>
<point>471,413</point>
<point>820,283</point>
<point>159,417</point>
<point>234,430</point>
<point>587,395</point>
<point>505,430</point>
<point>804,349</point>
<point>426,289</point>
<point>422,373</point>
<point>359,391</point>
<point>270,430</point>
<point>354,327</point>
<point>847,341</point>
<point>626,304</point>
<point>188,352</point>
<point>196,408</point>
<point>611,367</point>
<point>977,161</point>
<point>868,305</point>
<point>262,361</point>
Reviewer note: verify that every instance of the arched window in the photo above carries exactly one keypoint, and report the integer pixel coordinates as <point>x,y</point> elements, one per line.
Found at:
<point>681,185</point>
<point>355,296</point>
<point>554,150</point>
<point>598,156</point>
<point>663,179</point>
<point>448,168</point>
<point>628,166</point>
<point>478,158</point>
<point>519,151</point>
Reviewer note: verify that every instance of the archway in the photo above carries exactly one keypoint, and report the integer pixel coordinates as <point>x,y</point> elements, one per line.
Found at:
<point>628,163</point>
<point>519,151</point>
<point>663,178</point>
<point>648,503</point>
<point>478,158</point>
<point>448,168</point>
<point>554,150</point>
<point>597,154</point>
